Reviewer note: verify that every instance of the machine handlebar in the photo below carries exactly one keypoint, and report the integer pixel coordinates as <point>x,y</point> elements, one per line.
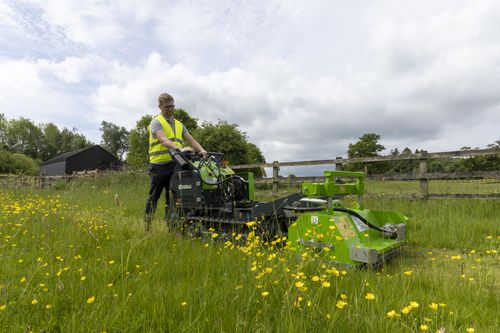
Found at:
<point>184,159</point>
<point>180,159</point>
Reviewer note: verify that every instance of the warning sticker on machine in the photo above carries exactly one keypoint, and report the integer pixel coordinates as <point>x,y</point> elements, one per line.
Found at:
<point>314,219</point>
<point>359,224</point>
<point>344,226</point>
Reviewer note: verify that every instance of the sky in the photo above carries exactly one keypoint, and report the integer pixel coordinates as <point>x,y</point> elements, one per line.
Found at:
<point>302,79</point>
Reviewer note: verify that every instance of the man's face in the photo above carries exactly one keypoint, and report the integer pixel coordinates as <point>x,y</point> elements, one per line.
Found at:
<point>167,108</point>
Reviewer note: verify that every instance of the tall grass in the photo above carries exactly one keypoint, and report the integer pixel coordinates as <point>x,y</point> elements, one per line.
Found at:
<point>76,259</point>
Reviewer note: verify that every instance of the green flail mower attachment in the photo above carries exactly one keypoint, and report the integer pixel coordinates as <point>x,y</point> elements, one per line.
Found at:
<point>350,236</point>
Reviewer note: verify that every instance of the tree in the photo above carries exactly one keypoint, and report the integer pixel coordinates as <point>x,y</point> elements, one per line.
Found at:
<point>367,146</point>
<point>43,141</point>
<point>402,166</point>
<point>254,155</point>
<point>51,141</point>
<point>188,121</point>
<point>72,140</point>
<point>482,163</point>
<point>3,131</point>
<point>114,139</point>
<point>24,137</point>
<point>229,140</point>
<point>138,143</point>
<point>407,166</point>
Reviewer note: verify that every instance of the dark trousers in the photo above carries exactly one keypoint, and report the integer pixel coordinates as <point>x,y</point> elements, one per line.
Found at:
<point>159,175</point>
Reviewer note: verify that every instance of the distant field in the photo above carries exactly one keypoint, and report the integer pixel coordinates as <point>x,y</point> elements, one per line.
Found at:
<point>73,258</point>
<point>393,187</point>
<point>436,186</point>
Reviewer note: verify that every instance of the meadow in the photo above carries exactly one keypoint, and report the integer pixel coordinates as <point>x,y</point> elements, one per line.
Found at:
<point>75,258</point>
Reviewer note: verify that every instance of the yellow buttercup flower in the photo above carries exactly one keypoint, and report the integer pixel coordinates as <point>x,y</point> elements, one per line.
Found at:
<point>424,327</point>
<point>370,296</point>
<point>391,314</point>
<point>433,306</point>
<point>406,310</point>
<point>325,284</point>
<point>340,304</point>
<point>34,302</point>
<point>414,304</point>
<point>250,223</point>
<point>408,273</point>
<point>265,293</point>
<point>299,284</point>
<point>90,300</point>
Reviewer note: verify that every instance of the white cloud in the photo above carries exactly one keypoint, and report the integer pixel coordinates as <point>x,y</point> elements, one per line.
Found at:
<point>302,79</point>
<point>71,69</point>
<point>38,90</point>
<point>7,17</point>
<point>90,23</point>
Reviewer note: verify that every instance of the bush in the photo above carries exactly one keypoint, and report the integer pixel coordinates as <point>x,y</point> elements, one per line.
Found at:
<point>17,164</point>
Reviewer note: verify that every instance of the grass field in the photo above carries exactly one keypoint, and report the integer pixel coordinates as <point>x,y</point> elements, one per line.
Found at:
<point>73,258</point>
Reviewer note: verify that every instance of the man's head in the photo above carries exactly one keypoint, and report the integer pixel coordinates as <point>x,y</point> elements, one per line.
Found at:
<point>166,104</point>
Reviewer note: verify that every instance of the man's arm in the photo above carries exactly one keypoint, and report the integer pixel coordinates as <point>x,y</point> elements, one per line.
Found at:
<point>193,143</point>
<point>164,141</point>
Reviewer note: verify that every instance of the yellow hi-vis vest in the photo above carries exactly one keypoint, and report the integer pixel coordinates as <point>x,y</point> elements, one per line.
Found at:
<point>158,153</point>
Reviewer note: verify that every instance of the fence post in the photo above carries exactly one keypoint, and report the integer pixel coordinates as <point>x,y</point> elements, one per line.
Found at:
<point>424,181</point>
<point>276,169</point>
<point>338,163</point>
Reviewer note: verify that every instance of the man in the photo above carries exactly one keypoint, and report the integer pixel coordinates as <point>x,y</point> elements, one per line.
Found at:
<point>165,133</point>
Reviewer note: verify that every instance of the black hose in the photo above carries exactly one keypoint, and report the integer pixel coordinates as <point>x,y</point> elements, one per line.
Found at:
<point>365,221</point>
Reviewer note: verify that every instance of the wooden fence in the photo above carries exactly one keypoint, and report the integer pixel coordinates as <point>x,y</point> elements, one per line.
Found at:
<point>16,181</point>
<point>422,175</point>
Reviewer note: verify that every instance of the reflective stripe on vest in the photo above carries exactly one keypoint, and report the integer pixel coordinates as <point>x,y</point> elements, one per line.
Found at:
<point>158,152</point>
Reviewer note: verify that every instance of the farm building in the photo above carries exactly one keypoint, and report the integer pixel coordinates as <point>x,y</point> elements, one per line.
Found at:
<point>89,158</point>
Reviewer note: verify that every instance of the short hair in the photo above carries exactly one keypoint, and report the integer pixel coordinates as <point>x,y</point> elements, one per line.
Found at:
<point>165,98</point>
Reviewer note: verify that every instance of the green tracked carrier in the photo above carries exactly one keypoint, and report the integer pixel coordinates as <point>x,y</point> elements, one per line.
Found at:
<point>207,195</point>
<point>352,236</point>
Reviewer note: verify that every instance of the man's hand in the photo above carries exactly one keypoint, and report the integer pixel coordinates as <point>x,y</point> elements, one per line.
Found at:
<point>185,149</point>
<point>203,152</point>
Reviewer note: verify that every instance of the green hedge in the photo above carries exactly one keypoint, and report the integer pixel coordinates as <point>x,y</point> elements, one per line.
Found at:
<point>18,164</point>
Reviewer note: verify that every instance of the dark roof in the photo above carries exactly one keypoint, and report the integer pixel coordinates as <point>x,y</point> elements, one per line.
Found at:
<point>65,156</point>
